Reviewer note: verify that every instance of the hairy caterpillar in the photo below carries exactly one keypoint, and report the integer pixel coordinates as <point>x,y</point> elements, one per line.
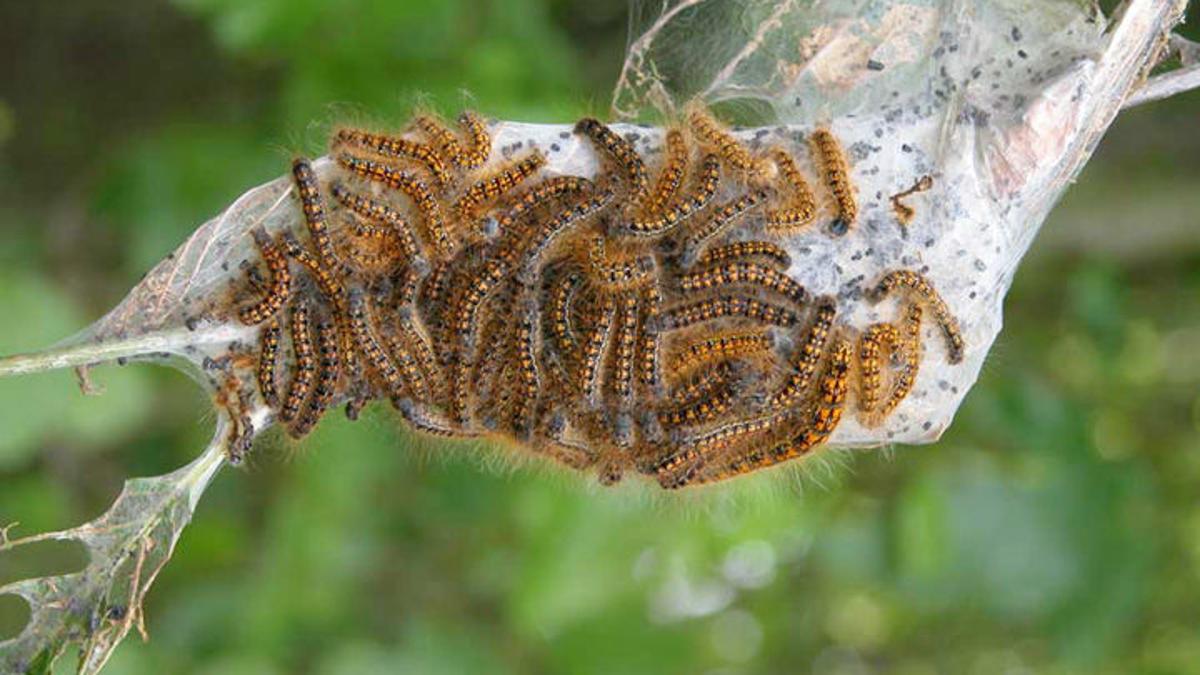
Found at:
<point>836,171</point>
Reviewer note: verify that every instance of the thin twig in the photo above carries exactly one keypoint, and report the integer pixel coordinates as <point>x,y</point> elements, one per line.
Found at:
<point>1164,86</point>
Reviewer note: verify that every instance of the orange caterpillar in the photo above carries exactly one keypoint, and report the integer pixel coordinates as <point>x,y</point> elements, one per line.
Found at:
<point>836,171</point>
<point>612,324</point>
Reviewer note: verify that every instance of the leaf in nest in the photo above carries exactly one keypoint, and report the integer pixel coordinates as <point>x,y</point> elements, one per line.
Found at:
<point>127,547</point>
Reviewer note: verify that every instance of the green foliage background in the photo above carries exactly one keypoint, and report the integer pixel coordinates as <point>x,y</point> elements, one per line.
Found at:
<point>1056,528</point>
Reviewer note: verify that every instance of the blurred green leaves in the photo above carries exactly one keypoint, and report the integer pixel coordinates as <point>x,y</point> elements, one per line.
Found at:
<point>39,411</point>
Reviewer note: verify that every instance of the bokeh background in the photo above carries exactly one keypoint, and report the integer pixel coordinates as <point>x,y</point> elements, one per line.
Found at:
<point>1055,529</point>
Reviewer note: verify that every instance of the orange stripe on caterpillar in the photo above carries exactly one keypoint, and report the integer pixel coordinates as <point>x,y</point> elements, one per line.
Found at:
<point>679,211</point>
<point>741,273</point>
<point>806,357</point>
<point>280,287</point>
<point>315,216</point>
<point>747,249</point>
<point>268,360</point>
<point>304,367</point>
<point>621,151</point>
<point>722,217</point>
<point>415,189</point>
<point>924,291</point>
<point>835,170</point>
<point>498,184</point>
<point>712,134</point>
<point>670,176</point>
<point>393,147</point>
<point>727,305</point>
<point>329,371</point>
<point>374,211</point>
<point>801,208</point>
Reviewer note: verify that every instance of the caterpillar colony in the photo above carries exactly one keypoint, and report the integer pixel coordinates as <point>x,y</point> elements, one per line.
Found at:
<point>643,321</point>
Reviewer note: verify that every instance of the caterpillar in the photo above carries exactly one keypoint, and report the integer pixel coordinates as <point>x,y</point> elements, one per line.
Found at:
<point>670,176</point>
<point>714,135</point>
<point>624,347</point>
<point>591,350</point>
<point>268,359</point>
<point>729,345</point>
<point>836,171</point>
<point>910,364</point>
<point>647,359</point>
<point>724,217</point>
<point>879,339</point>
<point>303,368</point>
<point>467,158</point>
<point>748,274</point>
<point>368,345</point>
<point>403,181</point>
<point>728,305</point>
<point>374,211</point>
<point>329,370</point>
<point>747,249</point>
<point>806,357</point>
<point>313,204</point>
<point>393,147</point>
<point>620,151</point>
<point>612,324</point>
<point>528,375</point>
<point>923,290</point>
<point>280,286</point>
<point>802,208</point>
<point>706,187</point>
<point>499,183</point>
